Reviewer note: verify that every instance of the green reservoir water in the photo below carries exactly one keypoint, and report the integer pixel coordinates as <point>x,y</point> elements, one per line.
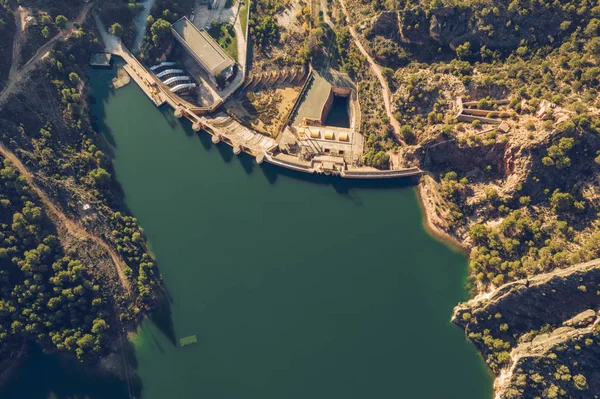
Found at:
<point>296,287</point>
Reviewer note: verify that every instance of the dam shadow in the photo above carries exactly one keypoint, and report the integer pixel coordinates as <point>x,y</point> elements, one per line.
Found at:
<point>342,186</point>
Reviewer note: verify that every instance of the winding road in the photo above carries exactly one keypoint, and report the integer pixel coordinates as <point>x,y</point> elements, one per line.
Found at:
<point>16,76</point>
<point>72,227</point>
<point>377,71</point>
<point>14,83</point>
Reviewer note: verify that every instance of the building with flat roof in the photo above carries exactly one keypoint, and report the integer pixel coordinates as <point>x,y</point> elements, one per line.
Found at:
<point>203,48</point>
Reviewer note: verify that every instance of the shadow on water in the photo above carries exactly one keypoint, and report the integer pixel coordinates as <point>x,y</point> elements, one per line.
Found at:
<point>342,186</point>
<point>91,385</point>
<point>205,140</point>
<point>103,90</point>
<point>162,316</point>
<point>271,172</point>
<point>172,121</point>
<point>45,376</point>
<point>226,152</point>
<point>248,163</point>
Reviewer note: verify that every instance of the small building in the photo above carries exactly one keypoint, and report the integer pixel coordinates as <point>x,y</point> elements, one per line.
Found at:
<point>203,48</point>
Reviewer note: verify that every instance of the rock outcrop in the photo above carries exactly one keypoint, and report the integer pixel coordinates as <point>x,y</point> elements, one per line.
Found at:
<point>497,28</point>
<point>386,24</point>
<point>541,333</point>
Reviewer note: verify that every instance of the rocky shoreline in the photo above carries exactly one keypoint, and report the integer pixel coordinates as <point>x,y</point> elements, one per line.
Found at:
<point>431,220</point>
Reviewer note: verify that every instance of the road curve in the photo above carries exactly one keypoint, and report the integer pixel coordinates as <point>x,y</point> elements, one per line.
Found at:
<point>72,227</point>
<point>377,70</point>
<point>15,78</point>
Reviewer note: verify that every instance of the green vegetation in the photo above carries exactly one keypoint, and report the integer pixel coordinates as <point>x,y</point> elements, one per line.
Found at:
<point>47,294</point>
<point>263,28</point>
<point>57,290</point>
<point>374,127</point>
<point>243,16</point>
<point>7,31</point>
<point>224,34</point>
<point>118,16</point>
<point>158,36</point>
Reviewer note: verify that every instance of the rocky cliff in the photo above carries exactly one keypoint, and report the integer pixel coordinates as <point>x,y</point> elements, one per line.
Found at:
<point>540,335</point>
<point>503,26</point>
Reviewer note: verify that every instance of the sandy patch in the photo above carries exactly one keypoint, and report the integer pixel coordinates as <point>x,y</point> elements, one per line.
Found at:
<point>121,79</point>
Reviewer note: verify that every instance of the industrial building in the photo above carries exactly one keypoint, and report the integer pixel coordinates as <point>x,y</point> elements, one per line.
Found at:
<point>203,48</point>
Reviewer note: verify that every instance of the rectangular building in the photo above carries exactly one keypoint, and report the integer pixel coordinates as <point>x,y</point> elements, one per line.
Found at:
<point>205,50</point>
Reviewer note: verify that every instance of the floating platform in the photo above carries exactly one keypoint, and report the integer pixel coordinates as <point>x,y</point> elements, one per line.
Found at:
<point>188,340</point>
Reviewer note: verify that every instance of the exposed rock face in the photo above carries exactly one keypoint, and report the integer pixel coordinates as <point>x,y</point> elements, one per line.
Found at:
<point>386,24</point>
<point>549,324</point>
<point>448,154</point>
<point>452,26</point>
<point>583,319</point>
<point>551,298</point>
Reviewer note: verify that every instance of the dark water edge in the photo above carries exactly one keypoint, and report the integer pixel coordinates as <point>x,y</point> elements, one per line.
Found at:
<point>55,376</point>
<point>367,315</point>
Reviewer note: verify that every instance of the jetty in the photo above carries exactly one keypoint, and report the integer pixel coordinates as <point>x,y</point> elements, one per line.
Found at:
<point>229,130</point>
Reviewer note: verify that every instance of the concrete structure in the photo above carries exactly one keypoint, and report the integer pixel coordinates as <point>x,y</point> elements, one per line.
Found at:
<point>317,97</point>
<point>466,112</point>
<point>203,48</point>
<point>182,86</point>
<point>168,72</point>
<point>100,60</point>
<point>224,129</point>
<point>308,134</point>
<point>162,65</point>
<point>177,79</point>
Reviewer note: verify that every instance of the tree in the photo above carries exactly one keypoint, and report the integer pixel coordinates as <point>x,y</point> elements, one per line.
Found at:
<point>116,29</point>
<point>85,342</point>
<point>161,31</point>
<point>580,382</point>
<point>478,232</point>
<point>408,134</point>
<point>100,176</point>
<point>45,32</point>
<point>463,51</point>
<point>387,73</point>
<point>99,326</point>
<point>74,78</point>
<point>381,160</point>
<point>61,21</point>
<point>562,202</point>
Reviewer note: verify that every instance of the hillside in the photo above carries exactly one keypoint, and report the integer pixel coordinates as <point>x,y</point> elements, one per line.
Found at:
<point>498,102</point>
<point>75,268</point>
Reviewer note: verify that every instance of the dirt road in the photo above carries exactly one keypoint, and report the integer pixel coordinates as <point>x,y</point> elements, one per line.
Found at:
<point>16,76</point>
<point>62,220</point>
<point>18,41</point>
<point>377,71</point>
